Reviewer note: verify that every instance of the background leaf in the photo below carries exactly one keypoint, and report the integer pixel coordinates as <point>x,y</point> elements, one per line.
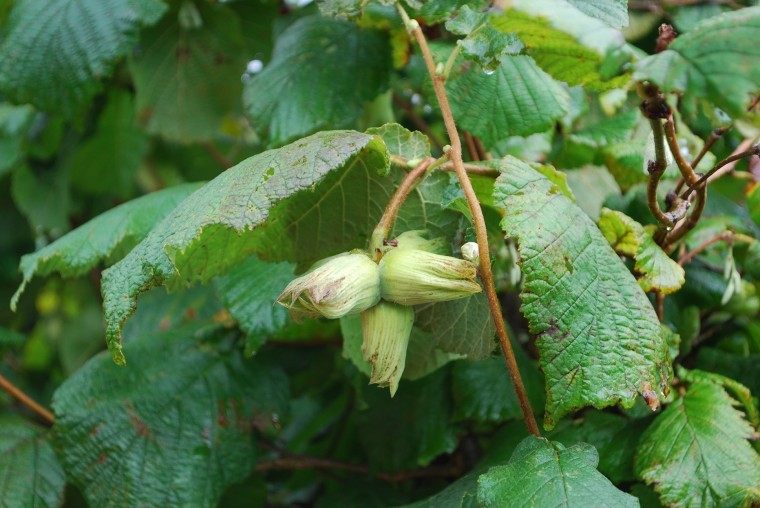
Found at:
<point>599,339</point>
<point>696,452</point>
<point>104,239</point>
<point>32,475</point>
<point>164,432</point>
<point>715,61</point>
<point>187,77</point>
<point>48,58</point>
<point>322,71</point>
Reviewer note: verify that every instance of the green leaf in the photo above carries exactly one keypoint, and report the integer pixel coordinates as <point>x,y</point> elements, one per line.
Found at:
<point>599,338</point>
<point>328,176</point>
<point>558,53</point>
<point>466,20</point>
<point>322,71</point>
<point>592,185</point>
<point>541,473</point>
<point>174,429</point>
<point>462,326</point>
<point>629,238</point>
<point>483,392</point>
<point>104,239</point>
<point>249,291</point>
<point>716,61</point>
<point>32,475</point>
<point>612,12</point>
<point>696,452</point>
<point>615,438</point>
<point>753,203</point>
<point>107,161</point>
<point>625,161</point>
<point>54,55</point>
<point>419,416</point>
<point>487,46</point>
<point>516,99</point>
<point>437,11</point>
<point>401,141</point>
<point>42,195</point>
<point>14,121</point>
<point>574,18</point>
<point>187,77</point>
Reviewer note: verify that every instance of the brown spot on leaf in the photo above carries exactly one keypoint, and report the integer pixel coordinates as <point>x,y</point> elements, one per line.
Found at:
<point>650,396</point>
<point>102,458</point>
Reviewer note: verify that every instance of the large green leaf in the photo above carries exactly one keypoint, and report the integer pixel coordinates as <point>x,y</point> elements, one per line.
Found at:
<point>556,52</point>
<point>541,473</point>
<point>249,291</point>
<point>14,121</point>
<point>696,452</point>
<point>518,98</point>
<point>599,338</point>
<point>187,74</point>
<point>172,430</point>
<point>104,239</point>
<point>629,238</point>
<point>55,54</point>
<point>322,72</point>
<point>337,197</point>
<point>716,61</point>
<point>107,161</point>
<point>32,475</point>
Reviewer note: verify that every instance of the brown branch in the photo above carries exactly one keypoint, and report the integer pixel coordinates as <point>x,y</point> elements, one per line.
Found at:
<point>417,120</point>
<point>686,169</point>
<point>394,205</point>
<point>472,169</point>
<point>215,154</point>
<point>659,299</point>
<point>724,236</point>
<point>299,462</point>
<point>16,393</point>
<point>734,158</point>
<point>474,154</point>
<point>481,233</point>
<point>484,155</point>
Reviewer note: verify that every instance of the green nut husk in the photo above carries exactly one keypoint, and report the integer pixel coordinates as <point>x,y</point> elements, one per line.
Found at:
<point>386,328</point>
<point>414,277</point>
<point>418,239</point>
<point>348,283</point>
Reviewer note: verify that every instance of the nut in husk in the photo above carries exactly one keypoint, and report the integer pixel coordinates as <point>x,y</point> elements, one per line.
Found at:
<point>386,328</point>
<point>413,277</point>
<point>418,239</point>
<point>345,284</point>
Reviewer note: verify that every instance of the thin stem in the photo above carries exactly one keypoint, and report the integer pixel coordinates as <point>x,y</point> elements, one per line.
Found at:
<point>215,154</point>
<point>659,307</point>
<point>15,392</point>
<point>484,155</point>
<point>472,169</point>
<point>394,205</point>
<point>474,155</point>
<point>293,462</point>
<point>486,274</point>
<point>727,236</point>
<point>715,135</point>
<point>450,61</point>
<point>687,172</point>
<point>753,150</point>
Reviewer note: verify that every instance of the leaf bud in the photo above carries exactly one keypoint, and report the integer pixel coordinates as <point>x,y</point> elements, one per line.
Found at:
<point>386,328</point>
<point>413,277</point>
<point>345,284</point>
